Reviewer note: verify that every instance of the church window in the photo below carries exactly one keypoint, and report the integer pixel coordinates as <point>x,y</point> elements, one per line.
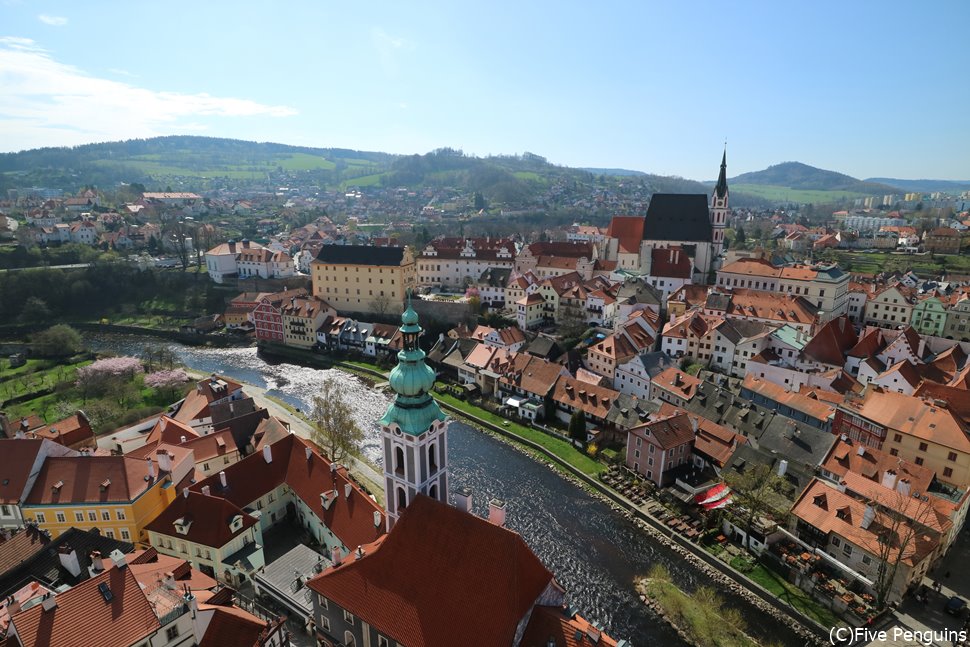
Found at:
<point>402,499</point>
<point>399,461</point>
<point>432,459</point>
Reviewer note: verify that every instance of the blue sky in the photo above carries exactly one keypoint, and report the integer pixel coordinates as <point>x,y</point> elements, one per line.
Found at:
<point>865,88</point>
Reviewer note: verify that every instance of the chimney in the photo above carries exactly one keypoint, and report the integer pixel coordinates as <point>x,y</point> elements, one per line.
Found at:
<point>181,440</point>
<point>151,468</point>
<point>206,490</point>
<point>185,492</point>
<point>327,498</point>
<point>841,486</point>
<point>860,450</point>
<point>118,558</point>
<point>496,512</point>
<point>889,479</point>
<point>164,460</point>
<point>463,499</point>
<point>782,467</point>
<point>377,519</point>
<point>168,581</point>
<point>49,602</point>
<point>359,552</point>
<point>868,516</point>
<point>191,602</point>
<point>223,480</point>
<point>335,555</point>
<point>903,487</point>
<point>348,488</point>
<point>309,452</point>
<point>693,424</point>
<point>69,560</point>
<point>267,453</point>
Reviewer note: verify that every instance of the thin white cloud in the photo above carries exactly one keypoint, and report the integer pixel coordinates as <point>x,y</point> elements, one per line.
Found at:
<point>389,49</point>
<point>53,21</point>
<point>121,72</point>
<point>48,103</point>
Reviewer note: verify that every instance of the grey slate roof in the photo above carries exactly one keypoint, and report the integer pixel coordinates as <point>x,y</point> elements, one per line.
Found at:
<point>656,362</point>
<point>285,578</point>
<point>360,255</point>
<point>636,291</point>
<point>496,277</point>
<point>678,216</point>
<point>737,329</point>
<point>544,347</point>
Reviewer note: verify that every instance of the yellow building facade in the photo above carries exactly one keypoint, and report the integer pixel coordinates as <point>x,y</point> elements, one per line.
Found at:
<point>360,279</point>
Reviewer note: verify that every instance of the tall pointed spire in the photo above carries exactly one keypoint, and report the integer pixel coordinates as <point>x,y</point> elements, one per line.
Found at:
<point>721,189</point>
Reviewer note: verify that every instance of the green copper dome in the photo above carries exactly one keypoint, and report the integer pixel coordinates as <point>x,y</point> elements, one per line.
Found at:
<point>413,410</point>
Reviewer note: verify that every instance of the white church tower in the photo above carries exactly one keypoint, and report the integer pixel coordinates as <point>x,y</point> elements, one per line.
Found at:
<point>719,209</point>
<point>414,431</point>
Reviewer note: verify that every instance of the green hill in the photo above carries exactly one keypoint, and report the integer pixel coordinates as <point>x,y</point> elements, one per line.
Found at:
<point>798,176</point>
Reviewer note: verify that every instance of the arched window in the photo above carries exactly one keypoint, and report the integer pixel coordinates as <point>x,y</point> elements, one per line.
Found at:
<point>432,458</point>
<point>399,461</point>
<point>402,499</point>
<point>433,491</point>
<point>349,639</point>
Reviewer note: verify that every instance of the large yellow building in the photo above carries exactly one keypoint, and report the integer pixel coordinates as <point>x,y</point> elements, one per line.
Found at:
<point>115,494</point>
<point>359,279</point>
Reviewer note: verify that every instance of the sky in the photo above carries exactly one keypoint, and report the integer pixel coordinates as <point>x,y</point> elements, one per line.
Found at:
<point>862,87</point>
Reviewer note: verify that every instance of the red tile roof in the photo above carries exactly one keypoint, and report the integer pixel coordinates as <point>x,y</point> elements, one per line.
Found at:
<point>207,517</point>
<point>169,430</point>
<point>82,617</point>
<point>671,262</point>
<point>667,432</point>
<point>73,431</point>
<point>674,380</point>
<point>231,627</point>
<point>350,519</point>
<point>629,232</point>
<point>17,456</point>
<point>21,547</point>
<point>90,479</point>
<point>554,627</point>
<point>832,341</point>
<point>441,577</point>
<point>874,463</point>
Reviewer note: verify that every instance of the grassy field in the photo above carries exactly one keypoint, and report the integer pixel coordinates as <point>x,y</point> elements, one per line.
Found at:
<point>702,616</point>
<point>793,596</point>
<point>159,165</point>
<point>560,448</point>
<point>35,375</point>
<point>364,180</point>
<point>785,194</point>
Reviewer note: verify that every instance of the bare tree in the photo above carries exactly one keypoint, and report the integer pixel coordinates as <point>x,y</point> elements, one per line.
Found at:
<point>382,304</point>
<point>759,492</point>
<point>335,429</point>
<point>177,235</point>
<point>899,522</point>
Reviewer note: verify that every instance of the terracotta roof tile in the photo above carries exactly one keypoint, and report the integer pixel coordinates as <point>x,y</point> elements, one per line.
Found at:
<point>415,589</point>
<point>554,627</point>
<point>83,617</point>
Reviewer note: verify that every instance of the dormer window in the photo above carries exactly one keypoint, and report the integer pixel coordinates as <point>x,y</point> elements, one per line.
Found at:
<point>104,484</point>
<point>182,525</point>
<point>236,523</point>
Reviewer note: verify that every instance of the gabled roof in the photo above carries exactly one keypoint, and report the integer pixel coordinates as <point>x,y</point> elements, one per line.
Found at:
<point>672,262</point>
<point>351,518</point>
<point>831,511</point>
<point>83,617</point>
<point>90,479</point>
<point>207,519</point>
<point>628,230</point>
<point>677,382</point>
<point>171,431</point>
<point>678,217</point>
<point>873,464</point>
<point>415,586</point>
<point>832,341</point>
<point>23,545</point>
<point>556,627</point>
<point>594,400</point>
<point>17,456</point>
<point>231,627</point>
<point>668,432</point>
<point>926,420</point>
<point>73,430</point>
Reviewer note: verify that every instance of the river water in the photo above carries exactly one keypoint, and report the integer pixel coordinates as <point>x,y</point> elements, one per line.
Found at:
<point>594,552</point>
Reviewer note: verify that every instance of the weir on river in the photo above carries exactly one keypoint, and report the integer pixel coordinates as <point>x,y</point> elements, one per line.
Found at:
<point>594,552</point>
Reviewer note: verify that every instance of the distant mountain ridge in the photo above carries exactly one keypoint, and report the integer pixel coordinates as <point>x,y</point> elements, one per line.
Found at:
<point>795,175</point>
<point>924,186</point>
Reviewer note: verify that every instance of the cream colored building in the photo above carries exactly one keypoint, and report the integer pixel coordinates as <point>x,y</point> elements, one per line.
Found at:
<point>357,278</point>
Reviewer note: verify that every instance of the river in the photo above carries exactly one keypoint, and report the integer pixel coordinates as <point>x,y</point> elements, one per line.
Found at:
<point>594,552</point>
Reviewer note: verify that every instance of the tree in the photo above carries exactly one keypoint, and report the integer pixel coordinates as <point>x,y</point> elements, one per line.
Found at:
<point>57,341</point>
<point>167,381</point>
<point>107,375</point>
<point>577,426</point>
<point>740,237</point>
<point>896,524</point>
<point>35,310</point>
<point>178,235</point>
<point>382,304</point>
<point>758,491</point>
<point>334,427</point>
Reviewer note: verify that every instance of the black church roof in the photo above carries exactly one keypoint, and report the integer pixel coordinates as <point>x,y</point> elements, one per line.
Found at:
<point>678,217</point>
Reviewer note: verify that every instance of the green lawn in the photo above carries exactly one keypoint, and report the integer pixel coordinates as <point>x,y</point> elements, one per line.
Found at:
<point>35,376</point>
<point>793,596</point>
<point>702,616</point>
<point>560,448</point>
<point>364,180</point>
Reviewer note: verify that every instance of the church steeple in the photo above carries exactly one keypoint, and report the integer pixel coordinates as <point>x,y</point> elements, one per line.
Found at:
<point>721,190</point>
<point>719,207</point>
<point>414,429</point>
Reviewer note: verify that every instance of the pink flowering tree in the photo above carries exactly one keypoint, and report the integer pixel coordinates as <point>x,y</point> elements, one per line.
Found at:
<point>107,375</point>
<point>167,381</point>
